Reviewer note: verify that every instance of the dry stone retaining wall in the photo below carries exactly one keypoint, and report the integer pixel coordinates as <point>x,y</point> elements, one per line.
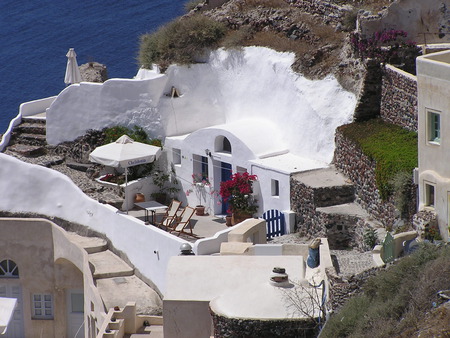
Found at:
<point>351,161</point>
<point>341,289</point>
<point>341,230</point>
<point>236,327</point>
<point>332,13</point>
<point>302,202</point>
<point>399,98</point>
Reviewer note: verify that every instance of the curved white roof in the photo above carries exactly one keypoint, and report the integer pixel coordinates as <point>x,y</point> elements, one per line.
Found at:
<point>262,137</point>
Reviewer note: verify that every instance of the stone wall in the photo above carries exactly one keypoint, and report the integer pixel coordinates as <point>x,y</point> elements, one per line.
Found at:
<point>368,106</point>
<point>235,327</point>
<point>351,161</point>
<point>341,289</point>
<point>302,202</point>
<point>399,98</point>
<point>342,231</point>
<point>425,21</point>
<point>330,12</point>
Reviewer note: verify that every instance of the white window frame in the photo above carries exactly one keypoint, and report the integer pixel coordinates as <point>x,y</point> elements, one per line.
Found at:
<point>434,124</point>
<point>42,306</point>
<point>176,156</point>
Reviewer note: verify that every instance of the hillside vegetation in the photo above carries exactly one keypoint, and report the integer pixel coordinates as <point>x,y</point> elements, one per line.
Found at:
<point>393,148</point>
<point>401,301</point>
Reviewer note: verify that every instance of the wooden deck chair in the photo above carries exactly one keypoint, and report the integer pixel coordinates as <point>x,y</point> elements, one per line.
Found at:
<point>170,215</point>
<point>185,222</point>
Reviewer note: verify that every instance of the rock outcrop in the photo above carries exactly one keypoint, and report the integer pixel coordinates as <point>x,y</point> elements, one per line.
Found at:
<point>93,72</point>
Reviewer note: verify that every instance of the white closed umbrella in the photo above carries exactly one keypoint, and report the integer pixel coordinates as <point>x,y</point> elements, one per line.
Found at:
<point>124,153</point>
<point>73,74</point>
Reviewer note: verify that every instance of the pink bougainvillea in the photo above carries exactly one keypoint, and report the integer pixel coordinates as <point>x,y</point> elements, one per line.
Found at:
<point>237,193</point>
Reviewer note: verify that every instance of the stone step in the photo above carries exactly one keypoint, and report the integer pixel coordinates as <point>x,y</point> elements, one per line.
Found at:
<point>107,265</point>
<point>79,166</point>
<point>31,128</point>
<point>34,119</point>
<point>118,291</point>
<point>153,328</point>
<point>346,209</point>
<point>330,187</point>
<point>90,244</point>
<point>31,139</point>
<point>329,196</point>
<point>27,150</point>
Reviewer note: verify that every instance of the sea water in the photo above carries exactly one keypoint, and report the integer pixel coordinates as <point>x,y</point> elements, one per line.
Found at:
<point>36,35</point>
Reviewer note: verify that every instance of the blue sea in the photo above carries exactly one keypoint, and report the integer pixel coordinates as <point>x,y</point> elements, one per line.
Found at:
<point>36,35</point>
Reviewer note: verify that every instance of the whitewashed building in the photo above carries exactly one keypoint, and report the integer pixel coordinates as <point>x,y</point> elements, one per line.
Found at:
<point>433,85</point>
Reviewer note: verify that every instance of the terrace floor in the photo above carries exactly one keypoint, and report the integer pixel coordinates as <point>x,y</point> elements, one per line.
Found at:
<point>202,226</point>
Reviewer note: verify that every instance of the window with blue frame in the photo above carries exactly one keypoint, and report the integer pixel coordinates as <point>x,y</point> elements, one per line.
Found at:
<point>434,127</point>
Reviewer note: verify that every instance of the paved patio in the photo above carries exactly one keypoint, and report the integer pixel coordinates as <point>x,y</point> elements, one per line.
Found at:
<point>202,226</point>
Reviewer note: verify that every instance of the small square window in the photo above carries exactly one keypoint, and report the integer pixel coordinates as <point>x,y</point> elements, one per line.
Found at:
<point>275,188</point>
<point>42,306</point>
<point>434,127</point>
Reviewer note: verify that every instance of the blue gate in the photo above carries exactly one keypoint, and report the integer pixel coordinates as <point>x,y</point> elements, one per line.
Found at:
<point>276,226</point>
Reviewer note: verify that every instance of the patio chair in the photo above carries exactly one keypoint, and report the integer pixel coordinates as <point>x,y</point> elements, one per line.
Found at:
<point>170,215</point>
<point>185,223</point>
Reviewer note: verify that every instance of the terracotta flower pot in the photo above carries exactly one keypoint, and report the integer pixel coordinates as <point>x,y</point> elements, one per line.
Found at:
<point>228,220</point>
<point>200,210</point>
<point>139,197</point>
<point>238,217</point>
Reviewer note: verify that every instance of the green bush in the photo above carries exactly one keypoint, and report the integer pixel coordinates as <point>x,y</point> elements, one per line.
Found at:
<point>180,41</point>
<point>393,148</point>
<point>139,135</point>
<point>190,5</point>
<point>401,186</point>
<point>136,133</point>
<point>370,238</point>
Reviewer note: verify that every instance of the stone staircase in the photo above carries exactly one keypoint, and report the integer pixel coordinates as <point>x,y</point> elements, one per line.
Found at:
<point>117,283</point>
<point>331,209</point>
<point>28,139</point>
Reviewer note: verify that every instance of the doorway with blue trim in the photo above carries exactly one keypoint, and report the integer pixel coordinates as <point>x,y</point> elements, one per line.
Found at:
<point>225,170</point>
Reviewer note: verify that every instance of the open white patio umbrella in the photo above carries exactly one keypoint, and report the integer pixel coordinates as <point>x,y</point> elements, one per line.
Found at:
<point>73,74</point>
<point>125,153</point>
<point>7,306</point>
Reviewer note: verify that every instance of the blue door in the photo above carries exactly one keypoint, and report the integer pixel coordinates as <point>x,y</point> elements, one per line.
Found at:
<point>225,176</point>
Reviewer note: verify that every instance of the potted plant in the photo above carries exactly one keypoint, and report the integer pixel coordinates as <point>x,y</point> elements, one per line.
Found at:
<point>199,184</point>
<point>167,185</point>
<point>237,192</point>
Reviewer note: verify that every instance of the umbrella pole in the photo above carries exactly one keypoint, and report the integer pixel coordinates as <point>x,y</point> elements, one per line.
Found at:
<point>126,185</point>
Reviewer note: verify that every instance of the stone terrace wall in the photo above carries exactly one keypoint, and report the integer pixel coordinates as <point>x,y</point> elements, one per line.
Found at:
<point>341,289</point>
<point>350,160</point>
<point>399,98</point>
<point>302,202</point>
<point>342,231</point>
<point>235,327</point>
<point>331,13</point>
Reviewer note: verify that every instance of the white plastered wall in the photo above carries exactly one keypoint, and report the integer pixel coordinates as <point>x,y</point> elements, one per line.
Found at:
<point>433,81</point>
<point>223,90</point>
<point>27,188</point>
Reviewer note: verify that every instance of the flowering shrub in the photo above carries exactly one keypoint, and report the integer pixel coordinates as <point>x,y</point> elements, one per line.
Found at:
<point>200,179</point>
<point>199,182</point>
<point>387,46</point>
<point>237,193</point>
<point>432,233</point>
